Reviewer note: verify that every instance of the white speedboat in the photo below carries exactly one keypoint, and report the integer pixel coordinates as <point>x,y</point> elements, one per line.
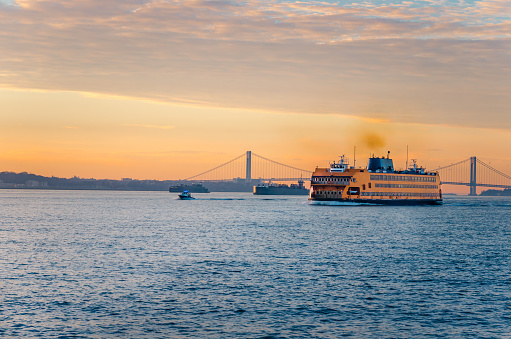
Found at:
<point>186,196</point>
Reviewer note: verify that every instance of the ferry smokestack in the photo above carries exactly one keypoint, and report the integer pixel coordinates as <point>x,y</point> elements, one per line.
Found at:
<point>388,154</point>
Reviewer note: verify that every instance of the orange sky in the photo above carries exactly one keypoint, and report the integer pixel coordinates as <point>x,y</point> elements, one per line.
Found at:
<point>163,90</point>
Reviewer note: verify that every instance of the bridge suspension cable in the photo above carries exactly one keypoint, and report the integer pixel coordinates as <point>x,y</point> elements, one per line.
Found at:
<point>452,165</point>
<point>257,167</point>
<point>221,175</point>
<point>497,172</point>
<point>267,169</point>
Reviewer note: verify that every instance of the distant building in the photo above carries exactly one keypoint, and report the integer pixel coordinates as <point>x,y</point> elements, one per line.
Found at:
<point>35,183</point>
<point>8,185</point>
<point>32,183</point>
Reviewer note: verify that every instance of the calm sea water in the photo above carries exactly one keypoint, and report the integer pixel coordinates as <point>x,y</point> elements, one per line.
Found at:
<point>95,264</point>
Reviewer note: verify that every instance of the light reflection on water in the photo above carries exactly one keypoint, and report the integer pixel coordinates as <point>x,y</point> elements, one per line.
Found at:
<point>230,265</point>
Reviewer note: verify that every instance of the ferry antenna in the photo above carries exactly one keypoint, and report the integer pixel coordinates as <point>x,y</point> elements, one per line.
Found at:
<point>406,168</point>
<point>354,156</point>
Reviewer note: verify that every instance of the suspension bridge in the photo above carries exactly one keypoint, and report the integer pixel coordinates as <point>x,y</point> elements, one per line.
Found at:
<point>249,167</point>
<point>473,172</point>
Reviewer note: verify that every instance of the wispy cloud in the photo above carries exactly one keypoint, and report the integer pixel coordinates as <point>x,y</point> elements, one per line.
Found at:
<point>440,63</point>
<point>261,20</point>
<point>149,126</point>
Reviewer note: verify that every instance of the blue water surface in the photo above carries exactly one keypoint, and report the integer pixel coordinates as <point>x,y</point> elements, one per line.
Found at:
<point>96,264</point>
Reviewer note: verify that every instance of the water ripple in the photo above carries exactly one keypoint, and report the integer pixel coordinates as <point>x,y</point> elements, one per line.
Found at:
<point>233,265</point>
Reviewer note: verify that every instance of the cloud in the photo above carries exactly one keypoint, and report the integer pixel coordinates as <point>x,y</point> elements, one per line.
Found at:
<point>439,64</point>
<point>262,20</point>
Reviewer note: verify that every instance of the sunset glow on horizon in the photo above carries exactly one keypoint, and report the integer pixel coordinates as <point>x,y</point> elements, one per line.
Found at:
<point>168,89</point>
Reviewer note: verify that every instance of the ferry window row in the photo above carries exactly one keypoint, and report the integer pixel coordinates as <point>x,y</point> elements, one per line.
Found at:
<point>399,194</point>
<point>329,180</point>
<point>425,178</point>
<point>328,192</point>
<point>406,186</point>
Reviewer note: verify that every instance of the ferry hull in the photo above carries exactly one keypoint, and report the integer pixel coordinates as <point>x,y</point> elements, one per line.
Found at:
<point>387,202</point>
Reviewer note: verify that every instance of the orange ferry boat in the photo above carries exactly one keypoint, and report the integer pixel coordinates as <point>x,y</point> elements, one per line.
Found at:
<point>379,183</point>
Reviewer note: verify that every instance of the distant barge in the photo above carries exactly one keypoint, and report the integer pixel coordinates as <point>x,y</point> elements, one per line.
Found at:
<point>192,188</point>
<point>281,189</point>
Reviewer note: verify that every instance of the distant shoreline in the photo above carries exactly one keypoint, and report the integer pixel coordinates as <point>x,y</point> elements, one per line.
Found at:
<point>24,180</point>
<point>497,193</point>
<point>82,189</point>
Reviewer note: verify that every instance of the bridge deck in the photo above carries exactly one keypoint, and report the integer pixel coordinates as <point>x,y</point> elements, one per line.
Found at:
<point>469,184</point>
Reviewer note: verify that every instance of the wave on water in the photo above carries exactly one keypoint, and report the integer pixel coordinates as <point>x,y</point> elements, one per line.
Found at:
<point>220,199</point>
<point>477,203</point>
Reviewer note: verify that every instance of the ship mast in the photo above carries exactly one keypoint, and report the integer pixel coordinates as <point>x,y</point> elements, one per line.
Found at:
<point>406,168</point>
<point>354,158</point>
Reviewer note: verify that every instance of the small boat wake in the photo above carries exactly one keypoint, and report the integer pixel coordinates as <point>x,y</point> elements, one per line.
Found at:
<point>188,196</point>
<point>226,199</point>
<point>216,199</point>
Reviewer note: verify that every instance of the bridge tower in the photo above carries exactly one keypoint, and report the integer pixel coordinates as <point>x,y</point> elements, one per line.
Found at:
<point>473,176</point>
<point>249,166</point>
